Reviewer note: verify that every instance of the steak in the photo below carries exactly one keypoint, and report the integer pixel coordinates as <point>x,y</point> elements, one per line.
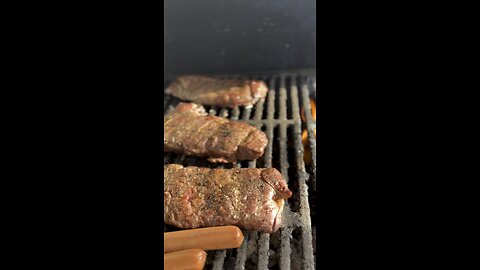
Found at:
<point>224,93</point>
<point>189,130</point>
<point>249,198</point>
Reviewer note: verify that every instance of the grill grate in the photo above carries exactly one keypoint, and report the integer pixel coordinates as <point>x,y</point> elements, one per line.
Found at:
<point>279,117</point>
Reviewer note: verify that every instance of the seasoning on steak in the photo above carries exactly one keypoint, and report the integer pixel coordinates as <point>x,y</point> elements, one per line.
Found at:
<point>189,130</point>
<point>249,198</point>
<point>224,93</point>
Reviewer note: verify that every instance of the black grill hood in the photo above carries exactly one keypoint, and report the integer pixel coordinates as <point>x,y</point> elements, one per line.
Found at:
<point>231,36</point>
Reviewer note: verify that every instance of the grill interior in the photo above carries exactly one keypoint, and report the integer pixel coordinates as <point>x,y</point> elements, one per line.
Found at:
<point>292,246</point>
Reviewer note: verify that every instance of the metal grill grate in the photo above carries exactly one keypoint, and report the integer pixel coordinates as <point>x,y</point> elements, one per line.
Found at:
<point>279,117</point>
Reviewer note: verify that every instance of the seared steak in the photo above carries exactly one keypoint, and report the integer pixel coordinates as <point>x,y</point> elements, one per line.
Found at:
<point>224,93</point>
<point>197,197</point>
<point>190,131</point>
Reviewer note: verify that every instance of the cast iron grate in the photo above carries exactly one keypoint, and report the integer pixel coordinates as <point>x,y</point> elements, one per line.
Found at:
<point>279,117</point>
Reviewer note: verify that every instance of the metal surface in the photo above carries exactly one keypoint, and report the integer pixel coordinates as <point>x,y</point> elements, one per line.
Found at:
<point>279,117</point>
<point>212,36</point>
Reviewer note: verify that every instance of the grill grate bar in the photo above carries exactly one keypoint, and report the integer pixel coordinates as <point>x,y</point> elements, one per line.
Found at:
<point>235,113</point>
<point>223,113</point>
<point>263,249</point>
<point>258,113</point>
<point>242,252</point>
<point>246,114</point>
<point>283,130</point>
<point>257,117</point>
<point>269,124</point>
<point>285,249</point>
<point>212,111</point>
<point>314,84</point>
<point>219,259</point>
<point>311,126</point>
<point>285,233</point>
<point>306,227</point>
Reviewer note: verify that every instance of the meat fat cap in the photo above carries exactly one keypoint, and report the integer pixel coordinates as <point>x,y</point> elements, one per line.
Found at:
<point>275,179</point>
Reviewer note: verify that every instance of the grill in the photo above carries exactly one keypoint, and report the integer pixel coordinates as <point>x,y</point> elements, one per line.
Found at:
<point>292,246</point>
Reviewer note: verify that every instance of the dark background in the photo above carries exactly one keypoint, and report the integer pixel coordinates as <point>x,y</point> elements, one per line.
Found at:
<point>83,130</point>
<point>229,36</point>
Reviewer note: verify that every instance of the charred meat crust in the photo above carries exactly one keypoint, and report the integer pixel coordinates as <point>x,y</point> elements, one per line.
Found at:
<point>189,130</point>
<point>197,197</point>
<point>224,93</point>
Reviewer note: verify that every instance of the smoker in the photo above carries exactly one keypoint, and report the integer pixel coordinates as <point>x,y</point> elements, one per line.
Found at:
<point>273,41</point>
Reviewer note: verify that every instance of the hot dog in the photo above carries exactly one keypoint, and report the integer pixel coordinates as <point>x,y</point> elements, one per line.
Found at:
<point>191,259</point>
<point>212,238</point>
